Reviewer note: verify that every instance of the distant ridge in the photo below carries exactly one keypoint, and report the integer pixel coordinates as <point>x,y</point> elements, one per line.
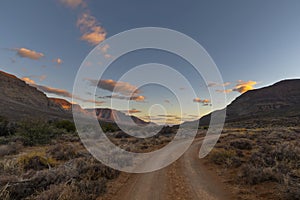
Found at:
<point>278,101</point>
<point>111,115</point>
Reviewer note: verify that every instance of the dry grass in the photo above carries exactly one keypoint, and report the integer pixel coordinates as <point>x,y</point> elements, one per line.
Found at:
<point>259,156</point>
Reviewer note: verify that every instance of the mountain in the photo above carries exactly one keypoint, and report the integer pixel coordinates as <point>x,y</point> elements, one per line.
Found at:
<point>278,101</point>
<point>111,115</point>
<point>21,101</point>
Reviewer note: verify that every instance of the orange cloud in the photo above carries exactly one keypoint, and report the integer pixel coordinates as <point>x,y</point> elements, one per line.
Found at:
<point>27,53</point>
<point>132,111</point>
<point>137,98</point>
<point>244,86</point>
<point>57,61</point>
<point>57,91</point>
<point>92,32</point>
<point>28,80</point>
<point>72,3</point>
<point>123,90</point>
<point>241,87</point>
<point>132,98</point>
<point>204,101</point>
<point>224,91</point>
<point>198,100</point>
<point>120,87</point>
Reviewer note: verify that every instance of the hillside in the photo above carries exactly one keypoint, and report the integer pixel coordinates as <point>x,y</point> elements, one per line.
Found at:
<point>278,101</point>
<point>20,100</point>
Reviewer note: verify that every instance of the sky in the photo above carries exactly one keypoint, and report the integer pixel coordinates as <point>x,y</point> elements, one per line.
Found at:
<point>253,43</point>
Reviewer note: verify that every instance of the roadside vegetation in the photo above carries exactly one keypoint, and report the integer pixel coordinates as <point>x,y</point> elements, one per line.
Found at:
<point>261,162</point>
<point>45,160</point>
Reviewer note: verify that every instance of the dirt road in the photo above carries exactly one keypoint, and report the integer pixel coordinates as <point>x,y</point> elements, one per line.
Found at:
<point>187,178</point>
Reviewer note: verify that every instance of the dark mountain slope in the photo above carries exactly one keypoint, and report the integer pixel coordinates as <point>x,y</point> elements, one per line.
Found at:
<point>278,101</point>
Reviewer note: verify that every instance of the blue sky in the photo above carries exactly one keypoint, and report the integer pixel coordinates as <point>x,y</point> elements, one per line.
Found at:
<point>257,42</point>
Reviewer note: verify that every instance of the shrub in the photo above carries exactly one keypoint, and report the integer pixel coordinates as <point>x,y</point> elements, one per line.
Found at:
<point>36,132</point>
<point>223,157</point>
<point>81,178</point>
<point>6,128</point>
<point>287,152</point>
<point>255,175</point>
<point>60,192</point>
<point>108,127</point>
<point>242,144</point>
<point>9,149</point>
<point>292,190</point>
<point>65,124</point>
<point>62,152</point>
<point>92,169</point>
<point>36,161</point>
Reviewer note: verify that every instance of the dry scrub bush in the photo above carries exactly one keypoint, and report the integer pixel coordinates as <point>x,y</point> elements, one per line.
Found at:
<point>9,149</point>
<point>62,151</point>
<point>224,157</point>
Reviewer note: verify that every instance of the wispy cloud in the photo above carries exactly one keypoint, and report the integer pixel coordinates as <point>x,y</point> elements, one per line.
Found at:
<point>123,88</point>
<point>214,84</point>
<point>51,90</point>
<point>224,91</point>
<point>138,98</point>
<point>198,100</point>
<point>57,61</point>
<point>27,53</point>
<point>28,79</point>
<point>90,28</point>
<point>57,91</point>
<point>167,101</point>
<point>132,111</point>
<point>104,49</point>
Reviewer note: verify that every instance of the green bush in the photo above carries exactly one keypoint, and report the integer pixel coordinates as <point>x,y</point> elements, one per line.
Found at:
<point>62,152</point>
<point>65,124</point>
<point>109,127</point>
<point>37,132</point>
<point>6,128</point>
